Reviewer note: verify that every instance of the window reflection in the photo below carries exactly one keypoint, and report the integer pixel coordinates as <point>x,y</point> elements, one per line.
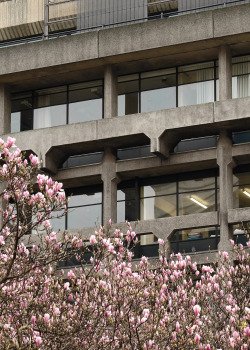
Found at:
<point>84,207</point>
<point>162,197</point>
<point>57,106</point>
<point>195,240</point>
<point>241,77</point>
<point>241,189</point>
<point>195,84</point>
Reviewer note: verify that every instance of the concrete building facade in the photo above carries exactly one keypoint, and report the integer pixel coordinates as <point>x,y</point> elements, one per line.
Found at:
<point>145,121</point>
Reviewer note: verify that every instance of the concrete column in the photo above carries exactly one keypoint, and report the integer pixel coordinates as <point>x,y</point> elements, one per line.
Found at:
<point>110,93</point>
<point>226,165</point>
<point>5,109</point>
<point>225,73</point>
<point>110,180</point>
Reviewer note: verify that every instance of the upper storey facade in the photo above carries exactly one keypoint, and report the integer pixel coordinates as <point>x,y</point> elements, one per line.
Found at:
<point>144,121</point>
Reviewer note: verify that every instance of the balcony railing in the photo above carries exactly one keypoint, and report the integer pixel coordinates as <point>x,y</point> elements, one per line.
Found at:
<point>58,22</point>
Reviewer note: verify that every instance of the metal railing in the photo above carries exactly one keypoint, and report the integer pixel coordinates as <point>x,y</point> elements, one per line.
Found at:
<point>51,35</point>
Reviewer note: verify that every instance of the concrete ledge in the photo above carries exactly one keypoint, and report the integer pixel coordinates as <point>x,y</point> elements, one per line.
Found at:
<point>165,227</point>
<point>133,41</point>
<point>236,216</point>
<point>57,143</point>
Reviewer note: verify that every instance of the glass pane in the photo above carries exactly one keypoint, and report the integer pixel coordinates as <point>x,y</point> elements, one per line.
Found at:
<point>49,116</point>
<point>43,99</point>
<point>85,216</point>
<point>85,199</point>
<point>241,179</point>
<point>158,189</point>
<point>191,241</point>
<point>197,184</point>
<point>20,102</point>
<point>241,86</point>
<point>154,100</point>
<point>134,152</point>
<point>128,104</point>
<point>126,194</point>
<point>85,111</point>
<point>147,239</point>
<point>241,197</point>
<point>15,122</point>
<point>196,84</point>
<point>85,93</point>
<point>158,91</point>
<point>128,91</point>
<point>57,222</point>
<point>199,202</point>
<point>240,232</point>
<point>196,93</point>
<point>126,211</point>
<point>197,233</point>
<point>158,207</point>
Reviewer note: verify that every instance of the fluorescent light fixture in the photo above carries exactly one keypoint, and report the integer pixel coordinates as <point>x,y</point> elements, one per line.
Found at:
<point>246,193</point>
<point>199,203</point>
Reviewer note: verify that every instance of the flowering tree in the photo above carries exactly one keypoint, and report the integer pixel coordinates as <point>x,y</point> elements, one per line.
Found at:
<point>112,302</point>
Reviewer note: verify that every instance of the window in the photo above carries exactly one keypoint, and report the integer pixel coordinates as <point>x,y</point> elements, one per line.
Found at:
<point>241,77</point>
<point>166,196</point>
<point>57,106</point>
<point>167,88</point>
<point>195,240</point>
<point>241,187</point>
<point>84,209</point>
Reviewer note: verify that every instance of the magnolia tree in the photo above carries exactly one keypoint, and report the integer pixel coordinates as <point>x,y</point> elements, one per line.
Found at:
<point>112,302</point>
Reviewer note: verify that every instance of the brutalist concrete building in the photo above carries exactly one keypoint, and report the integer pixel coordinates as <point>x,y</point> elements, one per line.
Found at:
<point>142,110</point>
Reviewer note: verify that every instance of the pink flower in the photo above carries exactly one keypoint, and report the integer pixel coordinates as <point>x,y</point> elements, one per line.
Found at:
<point>10,142</point>
<point>92,239</point>
<point>161,242</point>
<point>38,341</point>
<point>197,310</point>
<point>2,240</point>
<point>197,338</point>
<point>33,319</point>
<point>177,327</point>
<point>46,318</point>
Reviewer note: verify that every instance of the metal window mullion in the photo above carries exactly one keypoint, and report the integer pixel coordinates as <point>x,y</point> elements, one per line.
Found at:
<point>216,192</point>
<point>176,86</point>
<point>137,199</point>
<point>139,93</point>
<point>67,106</point>
<point>177,197</point>
<point>215,88</point>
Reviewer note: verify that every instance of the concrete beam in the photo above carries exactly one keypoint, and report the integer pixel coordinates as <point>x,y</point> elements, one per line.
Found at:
<point>236,216</point>
<point>191,121</point>
<point>165,227</point>
<point>197,31</point>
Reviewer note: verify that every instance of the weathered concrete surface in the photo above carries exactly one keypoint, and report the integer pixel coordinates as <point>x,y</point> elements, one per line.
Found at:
<point>225,73</point>
<point>194,32</point>
<point>55,144</point>
<point>238,215</point>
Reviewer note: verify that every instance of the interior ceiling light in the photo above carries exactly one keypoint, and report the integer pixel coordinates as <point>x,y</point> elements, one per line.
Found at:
<point>199,203</point>
<point>246,193</point>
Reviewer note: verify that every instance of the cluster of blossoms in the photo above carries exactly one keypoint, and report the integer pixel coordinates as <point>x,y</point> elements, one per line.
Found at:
<point>110,301</point>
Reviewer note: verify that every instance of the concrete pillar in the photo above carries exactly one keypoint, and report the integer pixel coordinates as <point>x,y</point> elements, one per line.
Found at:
<point>110,180</point>
<point>110,93</point>
<point>226,165</point>
<point>225,73</point>
<point>5,109</point>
